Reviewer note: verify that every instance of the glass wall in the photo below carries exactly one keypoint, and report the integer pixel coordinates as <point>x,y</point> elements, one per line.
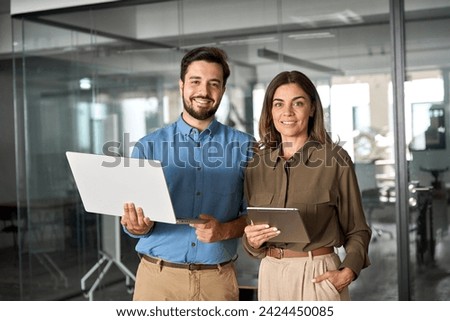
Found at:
<point>99,75</point>
<point>427,112</point>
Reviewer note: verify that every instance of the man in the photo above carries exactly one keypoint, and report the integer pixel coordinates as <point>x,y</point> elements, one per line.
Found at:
<point>203,162</point>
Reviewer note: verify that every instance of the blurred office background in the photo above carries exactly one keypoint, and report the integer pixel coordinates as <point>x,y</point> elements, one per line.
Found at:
<point>75,75</point>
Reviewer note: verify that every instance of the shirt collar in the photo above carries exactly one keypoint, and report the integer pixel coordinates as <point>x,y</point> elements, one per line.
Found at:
<point>186,129</point>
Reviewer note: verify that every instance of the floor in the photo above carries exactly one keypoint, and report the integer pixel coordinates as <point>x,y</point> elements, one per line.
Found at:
<point>429,281</point>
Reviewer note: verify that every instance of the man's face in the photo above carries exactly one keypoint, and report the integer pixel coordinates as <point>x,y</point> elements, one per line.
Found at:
<point>202,89</point>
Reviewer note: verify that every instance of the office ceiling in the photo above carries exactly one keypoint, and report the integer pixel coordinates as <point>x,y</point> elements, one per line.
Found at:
<point>324,38</point>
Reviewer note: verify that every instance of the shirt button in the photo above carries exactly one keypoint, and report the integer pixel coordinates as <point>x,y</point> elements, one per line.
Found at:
<point>193,244</point>
<point>198,193</point>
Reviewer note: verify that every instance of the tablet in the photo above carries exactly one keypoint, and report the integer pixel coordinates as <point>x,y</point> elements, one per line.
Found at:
<point>287,220</point>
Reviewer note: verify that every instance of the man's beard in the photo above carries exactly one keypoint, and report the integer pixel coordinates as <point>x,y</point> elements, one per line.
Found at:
<point>201,114</point>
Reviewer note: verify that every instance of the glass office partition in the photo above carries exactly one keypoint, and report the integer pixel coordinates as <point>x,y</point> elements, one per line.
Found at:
<point>427,117</point>
<point>58,111</point>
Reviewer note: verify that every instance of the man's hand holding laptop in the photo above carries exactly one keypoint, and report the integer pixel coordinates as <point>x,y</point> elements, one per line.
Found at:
<point>134,220</point>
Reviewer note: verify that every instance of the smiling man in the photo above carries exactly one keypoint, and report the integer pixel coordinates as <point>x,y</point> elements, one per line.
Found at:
<point>194,262</point>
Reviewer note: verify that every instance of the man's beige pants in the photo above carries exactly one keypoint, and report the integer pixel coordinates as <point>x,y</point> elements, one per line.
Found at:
<point>158,283</point>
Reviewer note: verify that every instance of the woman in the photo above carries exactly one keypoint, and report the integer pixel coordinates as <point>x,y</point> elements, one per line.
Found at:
<point>297,165</point>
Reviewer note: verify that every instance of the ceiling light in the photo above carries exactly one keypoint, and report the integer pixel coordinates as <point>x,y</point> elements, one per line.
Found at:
<point>85,84</point>
<point>273,55</point>
<point>314,35</point>
<point>346,17</point>
<point>249,41</point>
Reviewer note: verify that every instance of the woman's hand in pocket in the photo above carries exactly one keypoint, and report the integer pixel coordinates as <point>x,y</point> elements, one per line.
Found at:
<point>339,278</point>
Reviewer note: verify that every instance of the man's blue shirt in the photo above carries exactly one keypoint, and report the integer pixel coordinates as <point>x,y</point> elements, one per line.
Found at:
<point>204,173</point>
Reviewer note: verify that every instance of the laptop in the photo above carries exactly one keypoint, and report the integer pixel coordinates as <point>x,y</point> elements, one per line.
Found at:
<point>105,183</point>
<point>287,220</point>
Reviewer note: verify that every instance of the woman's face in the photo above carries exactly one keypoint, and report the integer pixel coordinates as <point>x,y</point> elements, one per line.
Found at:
<point>291,109</point>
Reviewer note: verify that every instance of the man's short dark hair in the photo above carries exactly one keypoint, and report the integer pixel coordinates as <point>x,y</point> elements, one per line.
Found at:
<point>209,54</point>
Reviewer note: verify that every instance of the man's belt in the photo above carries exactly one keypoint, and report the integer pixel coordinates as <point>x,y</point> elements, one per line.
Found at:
<point>187,266</point>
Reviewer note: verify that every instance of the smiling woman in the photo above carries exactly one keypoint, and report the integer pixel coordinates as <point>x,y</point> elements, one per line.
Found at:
<point>292,100</point>
<point>315,176</point>
<point>291,111</point>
